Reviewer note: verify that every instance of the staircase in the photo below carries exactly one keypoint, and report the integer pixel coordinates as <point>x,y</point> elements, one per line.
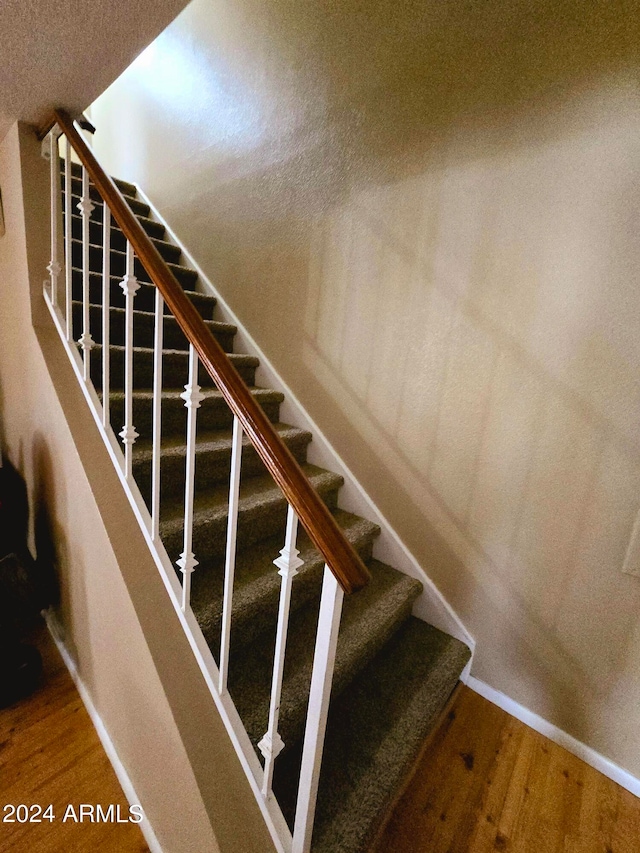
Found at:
<point>393,672</point>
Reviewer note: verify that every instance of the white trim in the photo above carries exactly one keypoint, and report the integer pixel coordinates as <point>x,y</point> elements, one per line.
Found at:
<point>431,606</point>
<point>107,744</point>
<point>576,747</point>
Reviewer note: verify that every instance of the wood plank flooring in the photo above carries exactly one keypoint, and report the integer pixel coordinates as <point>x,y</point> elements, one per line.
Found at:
<point>50,753</point>
<point>488,783</point>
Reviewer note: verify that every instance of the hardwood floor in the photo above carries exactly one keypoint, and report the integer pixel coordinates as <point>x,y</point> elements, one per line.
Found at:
<point>487,783</point>
<point>50,754</point>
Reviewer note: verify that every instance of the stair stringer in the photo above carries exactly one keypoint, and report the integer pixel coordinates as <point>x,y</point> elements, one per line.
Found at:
<point>431,606</point>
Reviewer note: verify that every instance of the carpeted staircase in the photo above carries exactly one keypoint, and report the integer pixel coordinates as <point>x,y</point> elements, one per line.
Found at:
<point>393,674</point>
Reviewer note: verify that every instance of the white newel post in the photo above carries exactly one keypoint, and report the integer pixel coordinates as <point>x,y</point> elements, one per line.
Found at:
<point>230,555</point>
<point>319,696</point>
<point>192,399</point>
<point>128,434</point>
<point>288,562</point>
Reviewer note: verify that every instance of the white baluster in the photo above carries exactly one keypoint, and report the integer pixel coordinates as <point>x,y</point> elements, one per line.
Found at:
<point>86,208</point>
<point>106,317</point>
<point>319,695</point>
<point>128,434</point>
<point>157,414</point>
<point>230,558</point>
<point>54,267</point>
<point>192,398</point>
<point>288,562</point>
<point>68,268</point>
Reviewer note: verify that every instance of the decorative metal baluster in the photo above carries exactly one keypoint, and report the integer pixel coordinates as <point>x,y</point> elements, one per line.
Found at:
<point>86,208</point>
<point>288,562</point>
<point>192,398</point>
<point>128,434</point>
<point>230,558</point>
<point>319,695</point>
<point>157,414</point>
<point>54,267</point>
<point>68,245</point>
<point>106,317</point>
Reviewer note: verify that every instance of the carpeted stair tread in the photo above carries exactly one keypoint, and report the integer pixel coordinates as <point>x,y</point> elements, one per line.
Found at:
<point>154,229</point>
<point>175,367</point>
<point>144,298</point>
<point>150,225</point>
<point>144,326</point>
<point>125,187</point>
<point>257,582</point>
<point>169,251</point>
<point>140,208</point>
<point>375,731</point>
<point>214,413</point>
<point>213,458</point>
<point>369,619</point>
<point>261,512</point>
<point>210,442</point>
<point>185,275</point>
<point>128,190</point>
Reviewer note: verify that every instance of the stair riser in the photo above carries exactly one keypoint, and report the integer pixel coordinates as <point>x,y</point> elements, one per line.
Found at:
<point>212,467</point>
<point>143,329</point>
<point>186,277</point>
<point>254,524</point>
<point>213,414</point>
<point>145,298</point>
<point>175,370</point>
<point>138,207</point>
<point>118,240</point>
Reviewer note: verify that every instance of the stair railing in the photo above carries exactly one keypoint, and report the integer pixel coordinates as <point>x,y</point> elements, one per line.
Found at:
<point>344,571</point>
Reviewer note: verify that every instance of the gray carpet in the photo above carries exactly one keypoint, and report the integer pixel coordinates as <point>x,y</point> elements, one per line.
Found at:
<point>394,673</point>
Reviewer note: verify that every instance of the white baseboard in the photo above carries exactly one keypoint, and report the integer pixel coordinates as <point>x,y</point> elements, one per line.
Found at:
<point>107,744</point>
<point>557,735</point>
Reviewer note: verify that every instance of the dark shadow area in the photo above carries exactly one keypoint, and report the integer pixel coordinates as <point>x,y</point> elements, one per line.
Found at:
<point>26,588</point>
<point>30,585</point>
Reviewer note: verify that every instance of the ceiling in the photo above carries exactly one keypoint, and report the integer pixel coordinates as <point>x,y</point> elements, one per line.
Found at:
<point>66,52</point>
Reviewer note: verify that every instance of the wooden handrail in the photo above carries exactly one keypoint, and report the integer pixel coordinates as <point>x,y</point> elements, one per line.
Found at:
<point>43,129</point>
<point>340,556</point>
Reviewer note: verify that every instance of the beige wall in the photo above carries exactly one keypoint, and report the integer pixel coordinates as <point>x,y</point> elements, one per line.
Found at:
<point>428,215</point>
<point>118,623</point>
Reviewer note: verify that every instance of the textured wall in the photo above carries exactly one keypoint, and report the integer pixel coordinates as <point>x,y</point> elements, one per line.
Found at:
<point>118,623</point>
<point>428,214</point>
